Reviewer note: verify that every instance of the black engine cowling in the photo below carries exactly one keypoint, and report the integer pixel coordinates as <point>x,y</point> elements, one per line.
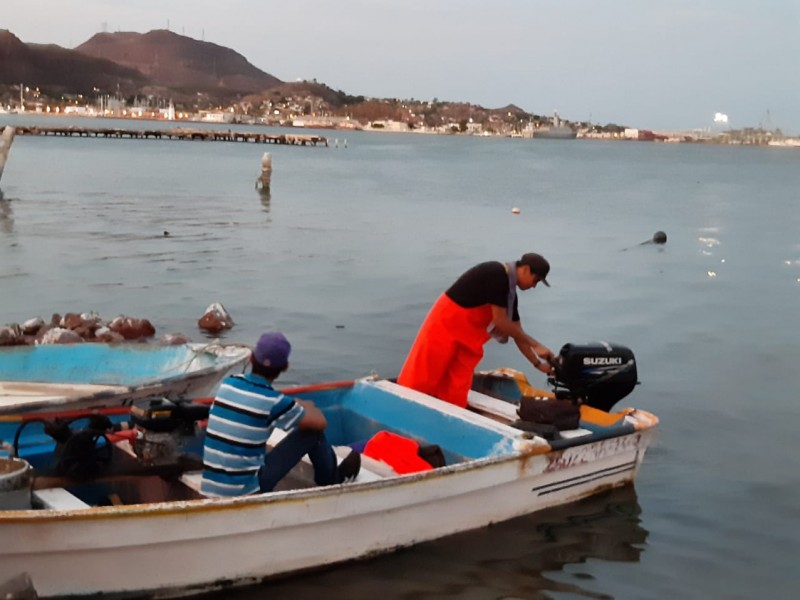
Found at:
<point>598,374</point>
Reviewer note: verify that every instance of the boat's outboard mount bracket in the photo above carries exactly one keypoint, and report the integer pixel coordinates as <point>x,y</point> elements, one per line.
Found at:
<point>598,374</point>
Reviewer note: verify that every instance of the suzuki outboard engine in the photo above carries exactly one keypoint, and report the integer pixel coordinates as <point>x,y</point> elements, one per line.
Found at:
<point>161,426</point>
<point>598,374</point>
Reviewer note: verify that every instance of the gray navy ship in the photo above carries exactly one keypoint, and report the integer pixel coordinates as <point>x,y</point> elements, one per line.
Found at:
<point>556,131</point>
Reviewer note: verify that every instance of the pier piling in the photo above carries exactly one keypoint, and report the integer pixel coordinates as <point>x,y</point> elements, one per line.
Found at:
<point>6,138</point>
<point>265,179</point>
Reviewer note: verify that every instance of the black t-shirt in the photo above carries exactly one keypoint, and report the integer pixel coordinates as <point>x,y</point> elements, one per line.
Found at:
<point>486,283</point>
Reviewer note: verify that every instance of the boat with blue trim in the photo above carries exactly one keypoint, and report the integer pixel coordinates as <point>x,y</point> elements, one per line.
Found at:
<point>52,377</point>
<point>127,502</point>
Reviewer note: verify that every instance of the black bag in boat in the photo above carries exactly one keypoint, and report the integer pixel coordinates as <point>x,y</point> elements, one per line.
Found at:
<point>563,414</point>
<point>548,432</point>
<point>432,454</point>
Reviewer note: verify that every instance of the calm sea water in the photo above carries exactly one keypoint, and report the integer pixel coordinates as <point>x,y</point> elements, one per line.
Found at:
<point>356,242</point>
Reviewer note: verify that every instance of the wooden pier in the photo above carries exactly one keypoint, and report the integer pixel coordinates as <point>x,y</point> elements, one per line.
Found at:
<point>178,133</point>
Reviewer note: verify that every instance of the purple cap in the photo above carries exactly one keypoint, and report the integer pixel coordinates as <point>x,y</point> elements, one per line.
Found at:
<point>272,350</point>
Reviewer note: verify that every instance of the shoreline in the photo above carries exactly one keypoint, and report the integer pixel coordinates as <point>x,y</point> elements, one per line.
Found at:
<point>182,128</point>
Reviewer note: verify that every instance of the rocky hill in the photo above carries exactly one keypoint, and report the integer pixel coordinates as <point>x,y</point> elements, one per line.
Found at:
<point>53,67</point>
<point>158,62</point>
<point>182,63</point>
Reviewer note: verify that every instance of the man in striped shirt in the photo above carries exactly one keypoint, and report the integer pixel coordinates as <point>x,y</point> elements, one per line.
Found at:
<point>245,412</point>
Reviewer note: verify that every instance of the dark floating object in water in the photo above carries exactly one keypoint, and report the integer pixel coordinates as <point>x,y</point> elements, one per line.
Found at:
<point>340,327</point>
<point>166,234</point>
<point>659,237</point>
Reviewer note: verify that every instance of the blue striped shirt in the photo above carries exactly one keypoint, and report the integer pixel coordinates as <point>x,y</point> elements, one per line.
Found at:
<point>245,411</point>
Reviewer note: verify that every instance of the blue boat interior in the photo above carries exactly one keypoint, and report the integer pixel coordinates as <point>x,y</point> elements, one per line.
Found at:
<point>356,414</point>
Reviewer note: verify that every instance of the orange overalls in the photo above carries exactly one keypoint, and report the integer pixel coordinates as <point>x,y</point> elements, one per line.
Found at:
<point>447,350</point>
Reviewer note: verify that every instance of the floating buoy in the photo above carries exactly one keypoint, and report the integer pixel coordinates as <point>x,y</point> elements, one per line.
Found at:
<point>515,210</point>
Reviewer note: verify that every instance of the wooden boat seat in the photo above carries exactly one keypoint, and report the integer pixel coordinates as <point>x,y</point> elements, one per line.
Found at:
<point>492,406</point>
<point>191,479</point>
<point>57,499</point>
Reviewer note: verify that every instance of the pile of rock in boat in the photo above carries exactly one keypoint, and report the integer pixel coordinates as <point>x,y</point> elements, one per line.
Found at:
<point>74,328</point>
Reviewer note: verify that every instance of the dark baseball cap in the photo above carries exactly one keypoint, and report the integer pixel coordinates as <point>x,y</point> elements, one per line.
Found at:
<point>272,350</point>
<point>538,265</point>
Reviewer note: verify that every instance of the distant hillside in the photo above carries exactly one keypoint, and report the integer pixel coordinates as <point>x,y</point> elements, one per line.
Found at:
<point>301,89</point>
<point>513,109</point>
<point>197,75</point>
<point>178,62</point>
<point>51,66</point>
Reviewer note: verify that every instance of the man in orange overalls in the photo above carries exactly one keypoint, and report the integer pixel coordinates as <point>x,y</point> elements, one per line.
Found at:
<point>481,304</point>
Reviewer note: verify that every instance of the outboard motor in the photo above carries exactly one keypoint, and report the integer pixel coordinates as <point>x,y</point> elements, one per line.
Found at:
<point>161,426</point>
<point>598,374</point>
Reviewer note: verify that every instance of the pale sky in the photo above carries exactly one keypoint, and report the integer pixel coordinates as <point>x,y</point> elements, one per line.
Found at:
<point>658,64</point>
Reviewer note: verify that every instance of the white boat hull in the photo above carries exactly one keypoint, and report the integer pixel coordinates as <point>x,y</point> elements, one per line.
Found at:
<point>214,543</point>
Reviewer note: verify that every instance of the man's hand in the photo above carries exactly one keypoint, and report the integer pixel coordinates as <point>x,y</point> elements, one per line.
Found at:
<point>544,353</point>
<point>544,367</point>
